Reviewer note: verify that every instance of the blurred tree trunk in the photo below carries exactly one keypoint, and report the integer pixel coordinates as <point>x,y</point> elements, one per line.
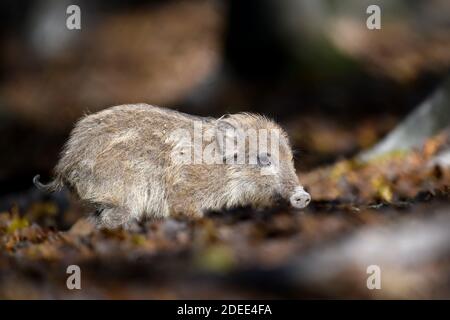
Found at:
<point>428,119</point>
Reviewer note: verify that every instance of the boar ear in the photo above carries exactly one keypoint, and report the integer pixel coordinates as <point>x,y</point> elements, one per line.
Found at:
<point>228,132</point>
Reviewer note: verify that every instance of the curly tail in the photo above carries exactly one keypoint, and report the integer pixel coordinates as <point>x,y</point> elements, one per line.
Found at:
<point>53,186</point>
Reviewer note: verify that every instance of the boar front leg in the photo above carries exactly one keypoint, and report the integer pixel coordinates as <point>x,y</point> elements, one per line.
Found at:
<point>182,203</point>
<point>185,209</point>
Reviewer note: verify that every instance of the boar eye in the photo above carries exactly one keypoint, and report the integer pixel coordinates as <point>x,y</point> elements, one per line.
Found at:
<point>264,159</point>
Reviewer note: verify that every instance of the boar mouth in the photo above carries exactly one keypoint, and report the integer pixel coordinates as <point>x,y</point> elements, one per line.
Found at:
<point>279,200</point>
<point>298,199</point>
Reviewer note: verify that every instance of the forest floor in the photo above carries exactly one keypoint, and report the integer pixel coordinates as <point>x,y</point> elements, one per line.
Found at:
<point>393,212</point>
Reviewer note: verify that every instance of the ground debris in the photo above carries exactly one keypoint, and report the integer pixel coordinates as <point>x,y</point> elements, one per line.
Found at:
<point>362,214</point>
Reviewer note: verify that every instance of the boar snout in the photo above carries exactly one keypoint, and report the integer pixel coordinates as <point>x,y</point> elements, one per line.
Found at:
<point>300,198</point>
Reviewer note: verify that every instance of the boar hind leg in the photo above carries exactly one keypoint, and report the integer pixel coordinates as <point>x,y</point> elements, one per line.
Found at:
<point>113,218</point>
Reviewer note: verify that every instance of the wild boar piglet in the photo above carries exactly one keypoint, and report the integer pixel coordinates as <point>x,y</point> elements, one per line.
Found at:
<point>136,161</point>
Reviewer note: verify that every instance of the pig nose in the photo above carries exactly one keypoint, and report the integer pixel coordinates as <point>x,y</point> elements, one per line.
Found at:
<point>300,198</point>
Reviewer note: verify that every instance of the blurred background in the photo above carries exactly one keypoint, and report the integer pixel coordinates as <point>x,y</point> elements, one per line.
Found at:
<point>306,63</point>
<point>313,65</point>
